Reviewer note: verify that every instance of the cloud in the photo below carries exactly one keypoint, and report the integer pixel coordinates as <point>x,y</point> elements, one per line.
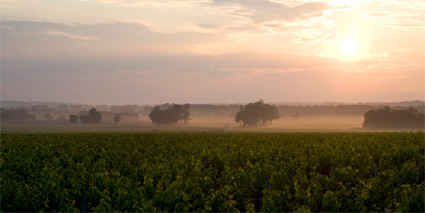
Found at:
<point>404,21</point>
<point>209,26</point>
<point>266,10</point>
<point>226,78</point>
<point>117,77</point>
<point>156,79</point>
<point>376,14</point>
<point>396,20</point>
<point>71,36</point>
<point>156,3</point>
<point>29,39</point>
<point>161,54</point>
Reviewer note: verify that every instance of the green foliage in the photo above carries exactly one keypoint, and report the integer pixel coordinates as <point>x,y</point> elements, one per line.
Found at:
<point>273,172</point>
<point>330,202</point>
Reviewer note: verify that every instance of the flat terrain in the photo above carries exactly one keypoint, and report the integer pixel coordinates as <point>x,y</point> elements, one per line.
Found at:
<point>305,164</point>
<point>332,124</point>
<point>213,172</point>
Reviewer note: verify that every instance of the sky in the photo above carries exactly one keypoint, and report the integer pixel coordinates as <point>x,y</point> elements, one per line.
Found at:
<point>212,51</point>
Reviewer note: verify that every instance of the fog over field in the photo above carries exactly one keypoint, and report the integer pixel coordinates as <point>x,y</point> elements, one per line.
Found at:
<point>304,117</point>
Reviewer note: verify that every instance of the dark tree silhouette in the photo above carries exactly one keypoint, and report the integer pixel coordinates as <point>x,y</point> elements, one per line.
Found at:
<point>173,114</point>
<point>156,115</point>
<point>257,113</point>
<point>117,118</point>
<point>93,117</point>
<point>15,115</point>
<point>185,113</point>
<point>387,118</point>
<point>73,119</point>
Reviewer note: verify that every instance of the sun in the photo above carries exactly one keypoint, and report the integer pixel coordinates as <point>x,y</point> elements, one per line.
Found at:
<point>348,47</point>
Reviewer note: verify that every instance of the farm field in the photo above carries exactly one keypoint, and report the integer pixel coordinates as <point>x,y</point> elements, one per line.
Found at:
<point>320,124</point>
<point>212,171</point>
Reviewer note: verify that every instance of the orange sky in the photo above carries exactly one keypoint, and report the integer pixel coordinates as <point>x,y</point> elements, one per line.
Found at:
<point>152,52</point>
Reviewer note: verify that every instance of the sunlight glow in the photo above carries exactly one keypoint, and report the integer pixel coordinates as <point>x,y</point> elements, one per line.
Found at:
<point>348,47</point>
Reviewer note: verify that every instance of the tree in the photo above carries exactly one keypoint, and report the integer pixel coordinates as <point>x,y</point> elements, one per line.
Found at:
<point>93,117</point>
<point>173,114</point>
<point>156,115</point>
<point>73,119</point>
<point>117,118</point>
<point>15,115</point>
<point>257,113</point>
<point>185,113</point>
<point>270,112</point>
<point>387,118</point>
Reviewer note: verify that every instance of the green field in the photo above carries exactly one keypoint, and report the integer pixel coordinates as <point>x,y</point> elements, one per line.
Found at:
<point>212,171</point>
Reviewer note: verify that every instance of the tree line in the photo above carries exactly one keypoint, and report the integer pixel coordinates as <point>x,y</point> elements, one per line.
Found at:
<point>15,115</point>
<point>388,118</point>
<point>252,114</point>
<point>93,116</point>
<point>228,111</point>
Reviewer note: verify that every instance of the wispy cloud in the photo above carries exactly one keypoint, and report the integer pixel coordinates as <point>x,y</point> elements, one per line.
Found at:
<point>396,20</point>
<point>111,38</point>
<point>156,3</point>
<point>267,10</point>
<point>71,36</point>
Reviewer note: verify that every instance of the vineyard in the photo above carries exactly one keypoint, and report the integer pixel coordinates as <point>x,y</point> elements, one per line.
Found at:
<point>204,171</point>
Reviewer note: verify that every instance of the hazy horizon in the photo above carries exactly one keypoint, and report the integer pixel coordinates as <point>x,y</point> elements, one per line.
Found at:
<point>292,103</point>
<point>212,51</point>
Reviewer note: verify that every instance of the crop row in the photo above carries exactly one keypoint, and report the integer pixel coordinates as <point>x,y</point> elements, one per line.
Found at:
<point>213,172</point>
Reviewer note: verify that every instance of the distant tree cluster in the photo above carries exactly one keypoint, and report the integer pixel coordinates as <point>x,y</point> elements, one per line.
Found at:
<point>93,117</point>
<point>15,115</point>
<point>173,114</point>
<point>387,118</point>
<point>257,113</point>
